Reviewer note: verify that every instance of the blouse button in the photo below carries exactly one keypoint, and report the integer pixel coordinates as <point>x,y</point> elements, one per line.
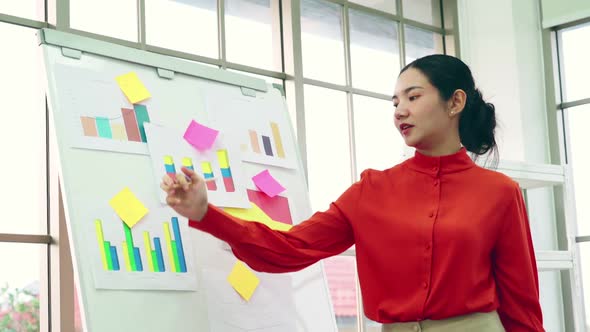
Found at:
<point>431,214</point>
<point>435,183</point>
<point>424,285</point>
<point>428,247</point>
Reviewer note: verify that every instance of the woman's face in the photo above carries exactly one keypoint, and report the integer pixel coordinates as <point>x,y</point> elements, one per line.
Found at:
<point>421,115</point>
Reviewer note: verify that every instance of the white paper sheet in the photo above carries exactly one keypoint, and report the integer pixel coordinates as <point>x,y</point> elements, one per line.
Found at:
<point>268,310</point>
<point>169,142</point>
<point>257,140</point>
<point>114,232</point>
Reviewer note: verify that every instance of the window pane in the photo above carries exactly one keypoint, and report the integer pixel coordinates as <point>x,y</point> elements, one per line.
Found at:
<point>20,312</point>
<point>425,11</point>
<point>584,251</point>
<point>551,299</point>
<point>31,9</point>
<point>22,133</point>
<point>328,155</point>
<point>188,26</point>
<point>252,33</point>
<point>384,5</point>
<point>374,52</point>
<point>575,68</point>
<point>378,143</point>
<point>113,18</point>
<point>341,274</point>
<point>580,162</point>
<point>321,41</point>
<point>421,42</point>
<point>270,80</point>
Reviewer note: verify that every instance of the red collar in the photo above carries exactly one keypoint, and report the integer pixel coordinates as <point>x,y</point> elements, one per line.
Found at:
<point>452,163</point>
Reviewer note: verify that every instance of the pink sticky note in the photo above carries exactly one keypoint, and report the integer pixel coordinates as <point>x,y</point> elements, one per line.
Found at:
<point>199,136</point>
<point>267,184</point>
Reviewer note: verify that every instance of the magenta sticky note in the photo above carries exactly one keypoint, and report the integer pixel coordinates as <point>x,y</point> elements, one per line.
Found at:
<point>200,136</point>
<point>267,184</point>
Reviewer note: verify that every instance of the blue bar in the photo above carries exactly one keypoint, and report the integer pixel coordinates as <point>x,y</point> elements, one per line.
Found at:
<point>267,147</point>
<point>115,258</point>
<point>226,172</point>
<point>170,168</point>
<point>137,259</point>
<point>190,167</point>
<point>103,126</point>
<point>208,175</point>
<point>159,254</point>
<point>178,239</point>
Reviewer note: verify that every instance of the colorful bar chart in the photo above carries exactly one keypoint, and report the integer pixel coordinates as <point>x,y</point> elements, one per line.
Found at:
<point>153,250</point>
<point>228,180</point>
<point>208,174</point>
<point>130,129</point>
<point>169,167</point>
<point>108,253</point>
<point>267,142</point>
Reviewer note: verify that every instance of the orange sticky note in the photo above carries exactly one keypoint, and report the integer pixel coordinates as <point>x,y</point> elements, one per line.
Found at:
<point>128,207</point>
<point>243,280</point>
<point>133,88</point>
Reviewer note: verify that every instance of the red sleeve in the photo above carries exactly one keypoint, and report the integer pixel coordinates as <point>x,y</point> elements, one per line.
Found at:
<point>263,249</point>
<point>515,270</point>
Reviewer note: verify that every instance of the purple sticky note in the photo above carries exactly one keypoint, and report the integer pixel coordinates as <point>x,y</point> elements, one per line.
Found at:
<point>267,184</point>
<point>199,136</point>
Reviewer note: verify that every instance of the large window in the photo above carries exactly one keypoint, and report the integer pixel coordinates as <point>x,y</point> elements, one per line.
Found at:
<point>349,55</point>
<point>352,52</point>
<point>574,113</point>
<point>22,133</point>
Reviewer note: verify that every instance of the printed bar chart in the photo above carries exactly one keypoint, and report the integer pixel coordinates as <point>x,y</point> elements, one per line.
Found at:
<point>153,251</point>
<point>271,144</point>
<point>131,128</point>
<point>228,180</point>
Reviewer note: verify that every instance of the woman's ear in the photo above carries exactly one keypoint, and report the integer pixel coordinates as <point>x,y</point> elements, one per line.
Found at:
<point>456,103</point>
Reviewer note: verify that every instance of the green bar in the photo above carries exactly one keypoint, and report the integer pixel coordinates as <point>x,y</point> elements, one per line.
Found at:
<point>176,260</point>
<point>141,114</point>
<point>155,260</point>
<point>104,127</point>
<point>107,249</point>
<point>130,253</point>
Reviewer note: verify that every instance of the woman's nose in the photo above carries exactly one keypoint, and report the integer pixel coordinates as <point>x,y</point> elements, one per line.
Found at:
<point>400,112</point>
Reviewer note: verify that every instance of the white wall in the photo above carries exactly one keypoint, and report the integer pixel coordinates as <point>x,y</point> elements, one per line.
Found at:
<point>501,42</point>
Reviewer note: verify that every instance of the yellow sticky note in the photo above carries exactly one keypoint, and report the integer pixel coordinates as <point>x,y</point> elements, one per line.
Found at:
<point>133,88</point>
<point>255,213</point>
<point>243,280</point>
<point>128,207</point>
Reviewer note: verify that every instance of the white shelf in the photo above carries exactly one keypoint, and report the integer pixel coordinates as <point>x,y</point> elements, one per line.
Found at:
<point>531,175</point>
<point>554,260</point>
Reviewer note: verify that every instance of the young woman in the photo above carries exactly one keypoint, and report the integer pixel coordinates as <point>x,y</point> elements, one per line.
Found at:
<point>441,243</point>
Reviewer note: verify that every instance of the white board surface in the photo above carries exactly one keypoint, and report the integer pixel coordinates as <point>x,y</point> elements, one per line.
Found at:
<point>94,169</point>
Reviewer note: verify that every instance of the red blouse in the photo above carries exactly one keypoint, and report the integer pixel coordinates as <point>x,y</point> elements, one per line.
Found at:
<point>435,237</point>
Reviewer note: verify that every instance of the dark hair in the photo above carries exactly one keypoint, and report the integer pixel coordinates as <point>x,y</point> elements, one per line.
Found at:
<point>477,122</point>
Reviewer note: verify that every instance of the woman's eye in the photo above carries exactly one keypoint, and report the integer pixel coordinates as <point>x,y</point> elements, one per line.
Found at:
<point>394,105</point>
<point>412,98</point>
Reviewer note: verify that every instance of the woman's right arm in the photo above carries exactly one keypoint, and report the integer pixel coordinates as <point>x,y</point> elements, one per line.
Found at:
<point>324,234</point>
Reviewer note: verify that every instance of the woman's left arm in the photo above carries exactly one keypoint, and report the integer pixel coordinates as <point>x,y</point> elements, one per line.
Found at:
<point>515,270</point>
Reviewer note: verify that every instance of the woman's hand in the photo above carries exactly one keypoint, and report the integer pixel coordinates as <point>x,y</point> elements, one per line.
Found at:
<point>187,194</point>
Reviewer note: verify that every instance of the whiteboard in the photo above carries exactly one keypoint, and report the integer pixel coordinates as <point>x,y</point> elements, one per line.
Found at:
<point>142,292</point>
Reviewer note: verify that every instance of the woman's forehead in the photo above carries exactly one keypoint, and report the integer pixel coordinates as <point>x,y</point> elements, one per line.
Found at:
<point>410,78</point>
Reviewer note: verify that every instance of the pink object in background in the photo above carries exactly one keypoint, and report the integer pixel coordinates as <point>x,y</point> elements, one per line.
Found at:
<point>200,136</point>
<point>267,184</point>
